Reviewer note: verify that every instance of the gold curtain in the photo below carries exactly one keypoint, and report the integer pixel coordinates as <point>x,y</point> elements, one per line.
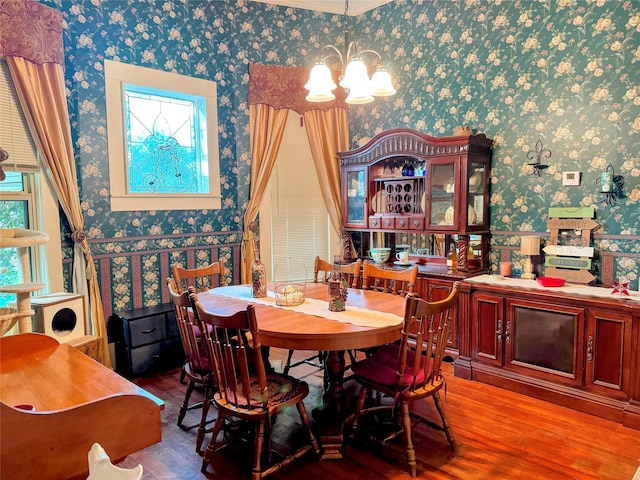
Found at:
<point>31,41</point>
<point>266,129</point>
<point>273,91</point>
<point>328,133</point>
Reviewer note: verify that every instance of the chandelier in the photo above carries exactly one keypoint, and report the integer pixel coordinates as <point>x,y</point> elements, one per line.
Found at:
<point>354,75</point>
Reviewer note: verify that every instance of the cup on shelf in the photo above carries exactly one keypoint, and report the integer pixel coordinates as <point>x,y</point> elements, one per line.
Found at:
<point>403,257</point>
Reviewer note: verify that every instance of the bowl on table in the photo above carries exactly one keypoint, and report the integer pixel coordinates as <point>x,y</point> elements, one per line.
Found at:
<point>380,255</point>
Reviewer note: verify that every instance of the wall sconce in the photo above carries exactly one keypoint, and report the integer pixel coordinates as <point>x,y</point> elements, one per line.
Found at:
<point>529,246</point>
<point>539,153</point>
<point>610,185</point>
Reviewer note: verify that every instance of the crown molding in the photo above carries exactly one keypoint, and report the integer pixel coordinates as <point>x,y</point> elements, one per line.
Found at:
<point>356,7</point>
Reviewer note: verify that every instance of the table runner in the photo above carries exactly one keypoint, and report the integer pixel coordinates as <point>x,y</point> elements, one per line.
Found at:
<point>572,288</point>
<point>311,306</point>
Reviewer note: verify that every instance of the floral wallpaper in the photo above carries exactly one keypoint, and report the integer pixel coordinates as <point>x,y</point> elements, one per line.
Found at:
<point>563,72</point>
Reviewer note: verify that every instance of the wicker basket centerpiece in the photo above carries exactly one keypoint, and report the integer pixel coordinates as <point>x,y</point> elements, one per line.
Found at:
<point>290,281</point>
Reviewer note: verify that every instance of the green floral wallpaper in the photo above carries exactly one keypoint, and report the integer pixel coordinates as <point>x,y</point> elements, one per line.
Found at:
<point>563,72</point>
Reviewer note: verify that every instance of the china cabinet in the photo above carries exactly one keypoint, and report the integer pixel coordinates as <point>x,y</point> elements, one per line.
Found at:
<point>410,191</point>
<point>406,182</point>
<point>574,347</point>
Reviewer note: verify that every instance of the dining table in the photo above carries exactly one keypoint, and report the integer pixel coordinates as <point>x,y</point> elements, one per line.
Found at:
<point>370,319</point>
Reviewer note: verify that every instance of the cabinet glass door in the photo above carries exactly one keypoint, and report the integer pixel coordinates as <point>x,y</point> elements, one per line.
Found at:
<point>356,197</point>
<point>476,181</point>
<point>441,211</point>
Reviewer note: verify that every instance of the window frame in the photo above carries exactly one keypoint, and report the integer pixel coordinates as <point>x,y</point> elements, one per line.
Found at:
<point>117,74</point>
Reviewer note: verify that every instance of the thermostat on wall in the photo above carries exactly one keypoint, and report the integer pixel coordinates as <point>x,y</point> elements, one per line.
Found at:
<point>570,179</point>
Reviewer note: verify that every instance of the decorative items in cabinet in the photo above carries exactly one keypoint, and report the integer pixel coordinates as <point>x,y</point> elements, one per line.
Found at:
<point>354,182</point>
<point>404,181</point>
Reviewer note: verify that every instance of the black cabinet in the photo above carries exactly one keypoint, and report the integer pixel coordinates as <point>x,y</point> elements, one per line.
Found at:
<point>147,340</point>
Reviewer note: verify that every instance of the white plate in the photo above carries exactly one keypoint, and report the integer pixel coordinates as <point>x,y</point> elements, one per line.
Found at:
<point>377,203</point>
<point>423,203</point>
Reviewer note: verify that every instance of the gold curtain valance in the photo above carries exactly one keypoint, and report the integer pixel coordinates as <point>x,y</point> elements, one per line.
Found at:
<point>31,31</point>
<point>282,87</point>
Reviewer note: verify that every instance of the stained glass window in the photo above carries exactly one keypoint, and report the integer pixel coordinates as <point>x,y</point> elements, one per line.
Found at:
<point>165,135</point>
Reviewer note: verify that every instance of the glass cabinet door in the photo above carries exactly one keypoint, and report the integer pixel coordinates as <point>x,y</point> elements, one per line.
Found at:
<point>441,204</point>
<point>476,183</point>
<point>355,184</point>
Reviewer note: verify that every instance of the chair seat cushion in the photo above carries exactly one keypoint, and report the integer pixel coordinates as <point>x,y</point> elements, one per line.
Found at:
<point>196,329</point>
<point>280,389</point>
<point>381,367</point>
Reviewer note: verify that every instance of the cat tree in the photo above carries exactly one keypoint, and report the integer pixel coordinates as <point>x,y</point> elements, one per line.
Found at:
<point>21,239</point>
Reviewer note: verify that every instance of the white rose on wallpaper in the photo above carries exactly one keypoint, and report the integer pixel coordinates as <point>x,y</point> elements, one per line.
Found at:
<point>150,276</point>
<point>94,232</point>
<point>630,165</point>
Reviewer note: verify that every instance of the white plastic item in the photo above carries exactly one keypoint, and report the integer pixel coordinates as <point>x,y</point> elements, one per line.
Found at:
<point>101,468</point>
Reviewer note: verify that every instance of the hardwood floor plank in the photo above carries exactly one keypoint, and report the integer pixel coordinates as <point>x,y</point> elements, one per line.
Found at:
<point>500,435</point>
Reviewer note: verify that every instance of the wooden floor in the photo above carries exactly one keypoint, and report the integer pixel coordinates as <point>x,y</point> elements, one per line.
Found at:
<point>500,435</point>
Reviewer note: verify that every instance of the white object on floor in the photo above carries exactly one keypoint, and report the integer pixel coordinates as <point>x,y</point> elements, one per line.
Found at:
<point>101,468</point>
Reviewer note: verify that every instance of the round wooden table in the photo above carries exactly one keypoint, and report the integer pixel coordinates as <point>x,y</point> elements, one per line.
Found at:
<point>284,328</point>
<point>291,330</point>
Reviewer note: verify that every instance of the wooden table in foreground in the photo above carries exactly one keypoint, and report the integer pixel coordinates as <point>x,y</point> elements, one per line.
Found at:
<point>284,328</point>
<point>77,401</point>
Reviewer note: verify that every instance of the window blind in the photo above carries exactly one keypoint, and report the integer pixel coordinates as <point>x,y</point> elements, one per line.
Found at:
<point>300,227</point>
<point>14,133</point>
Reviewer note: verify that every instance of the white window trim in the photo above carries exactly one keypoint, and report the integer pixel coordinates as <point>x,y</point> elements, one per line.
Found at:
<point>49,221</point>
<point>116,75</point>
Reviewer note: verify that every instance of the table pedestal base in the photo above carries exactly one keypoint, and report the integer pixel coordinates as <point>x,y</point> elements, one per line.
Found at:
<point>337,406</point>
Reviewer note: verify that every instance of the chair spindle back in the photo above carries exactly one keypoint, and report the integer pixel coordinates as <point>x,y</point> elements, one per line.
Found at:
<point>202,278</point>
<point>396,282</point>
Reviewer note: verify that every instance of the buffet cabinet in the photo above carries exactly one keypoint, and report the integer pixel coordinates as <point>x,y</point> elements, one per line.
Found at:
<point>575,347</point>
<point>403,181</point>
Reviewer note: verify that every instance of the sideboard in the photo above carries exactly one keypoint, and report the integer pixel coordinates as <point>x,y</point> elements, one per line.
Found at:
<point>576,345</point>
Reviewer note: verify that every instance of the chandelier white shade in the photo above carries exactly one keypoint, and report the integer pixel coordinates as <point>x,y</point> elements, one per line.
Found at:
<point>381,85</point>
<point>354,75</point>
<point>320,84</point>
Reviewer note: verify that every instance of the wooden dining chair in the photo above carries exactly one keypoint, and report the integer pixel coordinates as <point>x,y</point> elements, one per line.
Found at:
<point>196,369</point>
<point>409,371</point>
<point>396,282</point>
<point>323,269</point>
<point>245,390</point>
<point>202,278</point>
<point>385,280</point>
<point>321,273</point>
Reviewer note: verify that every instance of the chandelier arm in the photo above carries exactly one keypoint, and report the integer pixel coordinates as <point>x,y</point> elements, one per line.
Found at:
<point>334,52</point>
<point>374,53</point>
